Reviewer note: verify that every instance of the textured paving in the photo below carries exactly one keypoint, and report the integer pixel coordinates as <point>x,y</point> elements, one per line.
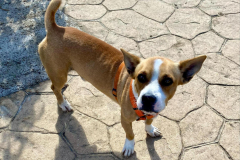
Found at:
<point>202,121</point>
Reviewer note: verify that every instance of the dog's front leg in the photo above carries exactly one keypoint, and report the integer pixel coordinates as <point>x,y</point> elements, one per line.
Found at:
<point>151,130</point>
<point>128,148</point>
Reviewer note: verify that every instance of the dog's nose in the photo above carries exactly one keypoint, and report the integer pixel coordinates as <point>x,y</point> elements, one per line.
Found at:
<point>148,99</point>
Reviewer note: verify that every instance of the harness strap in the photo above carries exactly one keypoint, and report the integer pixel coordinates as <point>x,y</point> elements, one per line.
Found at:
<point>114,90</point>
<point>133,101</point>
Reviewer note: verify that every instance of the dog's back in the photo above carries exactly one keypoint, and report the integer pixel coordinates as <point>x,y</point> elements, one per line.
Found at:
<point>66,47</point>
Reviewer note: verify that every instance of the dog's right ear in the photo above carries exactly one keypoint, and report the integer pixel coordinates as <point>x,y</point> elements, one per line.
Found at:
<point>190,67</point>
<point>131,61</point>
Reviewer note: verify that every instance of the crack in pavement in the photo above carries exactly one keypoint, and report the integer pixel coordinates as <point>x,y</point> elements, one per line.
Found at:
<point>220,131</point>
<point>217,84</point>
<point>228,155</point>
<point>41,132</point>
<point>191,112</point>
<point>220,114</point>
<point>95,118</point>
<point>183,148</point>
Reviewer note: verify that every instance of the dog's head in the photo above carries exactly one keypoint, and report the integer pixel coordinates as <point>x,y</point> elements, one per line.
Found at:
<point>156,79</point>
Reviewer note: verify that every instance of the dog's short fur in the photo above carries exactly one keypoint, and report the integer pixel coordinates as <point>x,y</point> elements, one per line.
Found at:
<point>155,79</point>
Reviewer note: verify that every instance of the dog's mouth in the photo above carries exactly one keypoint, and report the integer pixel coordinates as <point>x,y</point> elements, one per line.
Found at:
<point>149,113</point>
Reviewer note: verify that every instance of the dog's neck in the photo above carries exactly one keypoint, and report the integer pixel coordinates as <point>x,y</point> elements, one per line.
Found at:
<point>134,90</point>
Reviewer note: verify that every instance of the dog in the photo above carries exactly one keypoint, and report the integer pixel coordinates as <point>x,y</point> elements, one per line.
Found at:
<point>142,87</point>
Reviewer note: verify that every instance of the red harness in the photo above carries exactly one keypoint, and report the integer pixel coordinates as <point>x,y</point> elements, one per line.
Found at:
<point>140,114</point>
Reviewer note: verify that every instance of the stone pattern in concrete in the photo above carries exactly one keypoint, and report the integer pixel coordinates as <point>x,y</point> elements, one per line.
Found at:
<point>227,25</point>
<point>82,11</point>
<point>220,70</point>
<point>33,145</point>
<point>195,131</point>
<point>229,139</point>
<point>9,107</point>
<point>169,46</point>
<point>200,122</point>
<point>231,50</point>
<point>133,25</point>
<point>154,9</point>
<point>84,1</point>
<point>183,3</point>
<point>225,100</point>
<point>118,41</point>
<point>118,4</point>
<point>216,7</point>
<point>207,43</point>
<point>210,152</point>
<point>94,28</point>
<point>184,24</point>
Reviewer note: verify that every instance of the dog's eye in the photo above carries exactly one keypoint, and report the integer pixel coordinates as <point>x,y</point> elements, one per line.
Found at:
<point>142,78</point>
<point>167,81</point>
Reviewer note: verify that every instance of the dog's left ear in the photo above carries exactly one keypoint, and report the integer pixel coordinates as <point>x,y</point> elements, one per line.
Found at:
<point>190,67</point>
<point>131,61</point>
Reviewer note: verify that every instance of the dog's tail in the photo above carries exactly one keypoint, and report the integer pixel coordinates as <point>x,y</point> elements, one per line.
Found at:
<point>50,23</point>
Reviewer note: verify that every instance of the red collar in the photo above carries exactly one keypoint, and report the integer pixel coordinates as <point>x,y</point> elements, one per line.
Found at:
<point>114,90</point>
<point>133,101</point>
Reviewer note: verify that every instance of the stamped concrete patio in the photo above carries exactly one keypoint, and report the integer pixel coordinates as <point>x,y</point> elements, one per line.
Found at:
<point>201,122</point>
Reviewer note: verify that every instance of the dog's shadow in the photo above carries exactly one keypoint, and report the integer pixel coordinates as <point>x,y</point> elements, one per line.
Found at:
<point>73,142</point>
<point>72,137</point>
<point>75,137</point>
<point>151,149</point>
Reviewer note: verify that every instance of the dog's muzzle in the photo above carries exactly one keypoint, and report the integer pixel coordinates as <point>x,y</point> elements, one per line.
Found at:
<point>148,102</point>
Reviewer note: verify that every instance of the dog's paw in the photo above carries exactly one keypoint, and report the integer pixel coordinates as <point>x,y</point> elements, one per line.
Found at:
<point>152,131</point>
<point>65,105</point>
<point>128,148</point>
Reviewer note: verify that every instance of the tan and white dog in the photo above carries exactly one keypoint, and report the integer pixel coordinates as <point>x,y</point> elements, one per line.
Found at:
<point>148,84</point>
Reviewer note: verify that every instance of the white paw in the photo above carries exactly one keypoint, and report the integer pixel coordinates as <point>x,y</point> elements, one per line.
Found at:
<point>65,105</point>
<point>128,148</point>
<point>152,131</point>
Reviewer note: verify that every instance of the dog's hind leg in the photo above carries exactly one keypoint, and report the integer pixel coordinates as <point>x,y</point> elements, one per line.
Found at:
<point>59,78</point>
<point>57,70</point>
<point>57,88</point>
<point>58,81</point>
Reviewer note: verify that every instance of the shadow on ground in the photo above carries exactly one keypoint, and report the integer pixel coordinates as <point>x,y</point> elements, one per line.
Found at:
<point>151,149</point>
<point>40,129</point>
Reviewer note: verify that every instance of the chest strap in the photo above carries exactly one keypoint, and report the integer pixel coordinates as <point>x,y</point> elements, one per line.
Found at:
<point>114,90</point>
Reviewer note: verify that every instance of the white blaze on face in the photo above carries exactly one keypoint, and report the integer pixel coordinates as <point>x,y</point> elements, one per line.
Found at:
<point>154,88</point>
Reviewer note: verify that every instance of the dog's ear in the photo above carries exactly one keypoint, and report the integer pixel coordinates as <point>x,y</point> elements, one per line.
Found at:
<point>131,61</point>
<point>190,67</point>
